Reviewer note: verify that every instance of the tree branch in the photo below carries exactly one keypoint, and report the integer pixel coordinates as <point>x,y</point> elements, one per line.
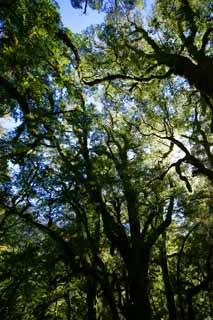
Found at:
<point>161,228</point>
<point>126,77</point>
<point>13,92</point>
<point>62,35</point>
<point>205,40</point>
<point>183,178</point>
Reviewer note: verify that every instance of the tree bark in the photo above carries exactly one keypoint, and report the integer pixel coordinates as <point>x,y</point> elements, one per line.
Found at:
<point>91,296</point>
<point>168,288</point>
<point>139,307</point>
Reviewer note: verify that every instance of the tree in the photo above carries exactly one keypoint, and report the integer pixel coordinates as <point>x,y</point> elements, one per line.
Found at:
<point>163,48</point>
<point>106,191</point>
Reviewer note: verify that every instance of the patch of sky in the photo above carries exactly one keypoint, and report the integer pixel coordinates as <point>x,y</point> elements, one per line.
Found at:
<point>126,226</point>
<point>176,155</point>
<point>75,19</point>
<point>96,102</point>
<point>10,121</point>
<point>13,168</point>
<point>2,34</point>
<point>147,10</point>
<point>131,155</point>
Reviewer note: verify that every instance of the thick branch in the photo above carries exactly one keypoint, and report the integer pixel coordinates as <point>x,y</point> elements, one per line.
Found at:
<point>62,35</point>
<point>188,14</point>
<point>146,36</point>
<point>52,233</point>
<point>162,227</point>
<point>183,178</point>
<point>192,160</point>
<point>111,77</point>
<point>114,231</point>
<point>205,40</point>
<point>13,93</point>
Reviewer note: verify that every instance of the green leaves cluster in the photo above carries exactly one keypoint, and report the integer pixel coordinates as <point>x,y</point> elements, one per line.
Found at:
<point>106,181</point>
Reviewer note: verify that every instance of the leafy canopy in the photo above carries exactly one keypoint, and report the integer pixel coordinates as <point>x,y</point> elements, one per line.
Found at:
<point>106,180</point>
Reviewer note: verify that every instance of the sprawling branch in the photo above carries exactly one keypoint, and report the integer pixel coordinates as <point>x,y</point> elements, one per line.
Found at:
<point>27,217</point>
<point>149,40</point>
<point>13,93</point>
<point>205,39</point>
<point>152,238</point>
<point>181,176</point>
<point>114,231</point>
<point>197,74</point>
<point>118,76</point>
<point>193,160</point>
<point>62,35</point>
<point>188,14</point>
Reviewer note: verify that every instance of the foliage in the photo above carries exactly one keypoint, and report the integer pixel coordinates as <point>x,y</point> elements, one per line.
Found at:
<point>106,180</point>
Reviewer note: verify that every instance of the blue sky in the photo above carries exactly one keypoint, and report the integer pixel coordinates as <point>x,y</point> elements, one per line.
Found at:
<point>75,19</point>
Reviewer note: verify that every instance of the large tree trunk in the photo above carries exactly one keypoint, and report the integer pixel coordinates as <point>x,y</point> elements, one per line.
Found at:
<point>168,288</point>
<point>139,308</point>
<point>6,3</point>
<point>91,299</point>
<point>210,258</point>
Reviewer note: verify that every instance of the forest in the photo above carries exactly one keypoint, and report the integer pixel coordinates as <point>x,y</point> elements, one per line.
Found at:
<point>106,168</point>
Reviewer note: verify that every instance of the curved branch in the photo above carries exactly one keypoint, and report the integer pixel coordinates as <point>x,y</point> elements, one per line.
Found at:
<point>162,227</point>
<point>52,233</point>
<point>205,40</point>
<point>111,77</point>
<point>183,178</point>
<point>191,159</point>
<point>189,15</point>
<point>146,36</point>
<point>62,35</point>
<point>13,92</point>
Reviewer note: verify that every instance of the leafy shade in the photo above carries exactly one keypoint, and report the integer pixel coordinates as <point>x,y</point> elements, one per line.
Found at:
<point>106,179</point>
